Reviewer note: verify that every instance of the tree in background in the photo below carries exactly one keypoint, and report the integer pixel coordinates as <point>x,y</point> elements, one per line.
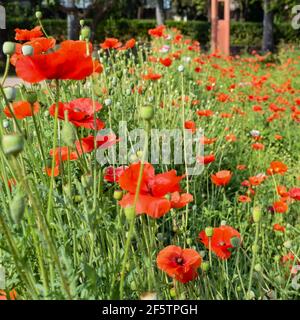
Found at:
<point>160,12</point>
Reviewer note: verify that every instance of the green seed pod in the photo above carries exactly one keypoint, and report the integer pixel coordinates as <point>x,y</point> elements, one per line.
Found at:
<point>118,194</point>
<point>85,33</point>
<point>27,50</point>
<point>17,207</point>
<point>147,112</point>
<point>39,15</point>
<point>12,144</point>
<point>31,97</point>
<point>173,292</point>
<point>10,93</point>
<point>9,48</point>
<point>209,231</point>
<point>129,213</point>
<point>68,134</point>
<point>235,242</point>
<point>205,266</point>
<point>256,214</point>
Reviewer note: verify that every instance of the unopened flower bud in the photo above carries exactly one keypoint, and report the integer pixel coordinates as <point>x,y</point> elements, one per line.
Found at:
<point>17,207</point>
<point>255,248</point>
<point>118,194</point>
<point>258,267</point>
<point>81,22</point>
<point>39,15</point>
<point>10,93</point>
<point>68,134</point>
<point>27,50</point>
<point>209,231</point>
<point>147,112</point>
<point>205,266</point>
<point>129,213</point>
<point>9,48</point>
<point>31,97</point>
<point>235,242</point>
<point>85,33</point>
<point>256,214</point>
<point>173,292</point>
<point>12,144</point>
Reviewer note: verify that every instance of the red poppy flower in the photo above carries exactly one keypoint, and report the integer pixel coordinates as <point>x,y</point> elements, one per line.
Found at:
<point>278,227</point>
<point>69,62</point>
<point>87,145</point>
<point>166,61</point>
<point>80,113</point>
<point>157,32</point>
<point>190,125</point>
<point>22,109</point>
<point>277,167</point>
<point>151,76</point>
<point>113,174</point>
<point>111,43</point>
<point>178,263</point>
<point>257,180</point>
<point>280,207</point>
<point>12,295</point>
<point>220,240</point>
<point>258,146</point>
<point>205,113</point>
<point>244,199</point>
<point>180,200</point>
<point>221,178</point>
<point>294,193</point>
<point>230,137</point>
<point>128,45</point>
<point>152,199</point>
<point>241,167</point>
<point>206,159</point>
<point>27,35</point>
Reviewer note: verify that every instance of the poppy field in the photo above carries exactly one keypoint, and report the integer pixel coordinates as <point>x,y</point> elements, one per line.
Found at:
<point>79,222</point>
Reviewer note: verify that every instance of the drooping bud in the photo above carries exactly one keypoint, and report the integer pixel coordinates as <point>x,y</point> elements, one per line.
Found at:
<point>10,93</point>
<point>17,207</point>
<point>205,266</point>
<point>209,231</point>
<point>12,144</point>
<point>147,112</point>
<point>68,134</point>
<point>27,50</point>
<point>9,48</point>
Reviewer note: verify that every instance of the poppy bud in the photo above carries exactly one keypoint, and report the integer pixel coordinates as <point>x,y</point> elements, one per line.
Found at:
<point>68,134</point>
<point>209,231</point>
<point>255,248</point>
<point>180,68</point>
<point>256,214</point>
<point>9,48</point>
<point>81,22</point>
<point>287,244</point>
<point>147,112</point>
<point>118,194</point>
<point>85,33</point>
<point>173,292</point>
<point>129,213</point>
<point>139,154</point>
<point>250,295</point>
<point>205,266</point>
<point>12,144</point>
<point>133,286</point>
<point>235,242</point>
<point>17,207</point>
<point>31,97</point>
<point>5,123</point>
<point>10,93</point>
<point>87,180</point>
<point>77,198</point>
<point>39,15</point>
<point>258,267</point>
<point>27,50</point>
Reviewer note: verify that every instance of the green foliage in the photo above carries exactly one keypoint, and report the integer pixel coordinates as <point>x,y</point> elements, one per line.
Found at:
<point>246,34</point>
